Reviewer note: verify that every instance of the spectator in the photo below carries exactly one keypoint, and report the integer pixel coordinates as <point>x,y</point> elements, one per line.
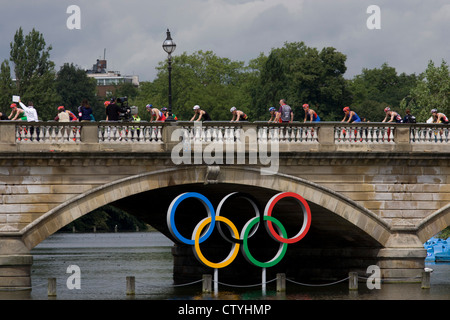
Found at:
<point>112,111</point>
<point>32,116</point>
<point>285,112</point>
<point>137,119</point>
<point>409,118</point>
<point>30,111</point>
<point>85,111</point>
<point>166,113</point>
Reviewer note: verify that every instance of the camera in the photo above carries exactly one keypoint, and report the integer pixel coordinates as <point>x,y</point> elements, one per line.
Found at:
<point>125,112</point>
<point>122,100</point>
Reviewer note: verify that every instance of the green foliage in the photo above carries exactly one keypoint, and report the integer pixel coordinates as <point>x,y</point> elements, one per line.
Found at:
<point>432,91</point>
<point>7,88</point>
<point>73,85</point>
<point>34,72</point>
<point>444,234</point>
<point>301,74</point>
<point>377,88</point>
<point>202,78</point>
<point>106,219</point>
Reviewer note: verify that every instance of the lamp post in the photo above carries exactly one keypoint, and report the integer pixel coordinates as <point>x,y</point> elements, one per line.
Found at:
<point>169,47</point>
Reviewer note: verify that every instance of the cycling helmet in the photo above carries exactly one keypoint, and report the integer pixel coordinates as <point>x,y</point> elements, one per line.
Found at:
<point>149,106</point>
<point>233,109</point>
<point>272,109</point>
<point>305,106</point>
<point>196,107</point>
<point>13,105</point>
<point>346,109</point>
<point>387,109</point>
<point>434,111</point>
<point>163,109</point>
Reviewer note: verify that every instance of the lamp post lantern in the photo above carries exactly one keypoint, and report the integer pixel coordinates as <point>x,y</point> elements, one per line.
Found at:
<point>169,47</point>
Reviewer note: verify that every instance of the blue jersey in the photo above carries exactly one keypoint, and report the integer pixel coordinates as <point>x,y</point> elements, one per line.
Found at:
<point>355,118</point>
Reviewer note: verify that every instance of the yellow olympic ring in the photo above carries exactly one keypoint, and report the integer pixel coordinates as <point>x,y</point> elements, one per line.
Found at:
<point>233,253</point>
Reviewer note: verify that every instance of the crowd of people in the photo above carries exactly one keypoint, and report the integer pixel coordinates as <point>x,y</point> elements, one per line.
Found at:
<point>284,114</point>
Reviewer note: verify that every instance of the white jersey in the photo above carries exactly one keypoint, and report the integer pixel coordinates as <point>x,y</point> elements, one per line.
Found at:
<point>30,112</point>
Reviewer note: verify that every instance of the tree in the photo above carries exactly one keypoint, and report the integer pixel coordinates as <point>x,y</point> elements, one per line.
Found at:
<point>271,87</point>
<point>301,74</point>
<point>7,87</point>
<point>73,85</point>
<point>105,219</point>
<point>34,72</point>
<point>432,91</point>
<point>375,89</point>
<point>201,78</point>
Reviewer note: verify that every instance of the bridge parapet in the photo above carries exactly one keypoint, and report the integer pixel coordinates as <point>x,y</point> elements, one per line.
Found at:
<point>292,137</point>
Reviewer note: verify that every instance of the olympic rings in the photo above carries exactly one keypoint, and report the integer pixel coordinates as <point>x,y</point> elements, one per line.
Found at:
<point>239,241</point>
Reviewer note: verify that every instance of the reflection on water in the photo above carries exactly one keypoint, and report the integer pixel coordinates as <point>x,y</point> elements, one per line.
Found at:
<point>105,260</point>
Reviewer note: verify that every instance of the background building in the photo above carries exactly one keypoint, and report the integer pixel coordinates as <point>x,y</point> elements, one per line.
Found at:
<point>109,81</point>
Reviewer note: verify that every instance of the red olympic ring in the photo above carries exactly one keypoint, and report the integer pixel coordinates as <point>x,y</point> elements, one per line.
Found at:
<point>306,217</point>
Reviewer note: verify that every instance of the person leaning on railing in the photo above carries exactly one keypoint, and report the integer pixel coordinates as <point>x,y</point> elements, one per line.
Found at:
<point>352,116</point>
<point>238,115</point>
<point>311,114</point>
<point>18,112</point>
<point>439,117</point>
<point>392,115</point>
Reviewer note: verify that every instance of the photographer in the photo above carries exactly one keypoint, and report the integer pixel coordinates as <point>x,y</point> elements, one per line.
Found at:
<point>113,111</point>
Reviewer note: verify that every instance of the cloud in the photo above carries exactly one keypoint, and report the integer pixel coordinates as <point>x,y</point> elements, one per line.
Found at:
<point>132,32</point>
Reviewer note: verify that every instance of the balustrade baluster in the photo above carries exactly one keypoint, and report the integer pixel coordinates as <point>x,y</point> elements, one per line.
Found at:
<point>237,135</point>
<point>231,133</point>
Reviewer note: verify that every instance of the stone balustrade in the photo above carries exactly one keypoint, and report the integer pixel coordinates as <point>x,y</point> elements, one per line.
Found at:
<point>327,136</point>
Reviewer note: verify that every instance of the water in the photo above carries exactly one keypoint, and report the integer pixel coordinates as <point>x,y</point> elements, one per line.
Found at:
<point>106,259</point>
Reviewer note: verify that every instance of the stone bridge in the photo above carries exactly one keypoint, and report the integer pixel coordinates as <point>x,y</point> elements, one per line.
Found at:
<point>376,191</point>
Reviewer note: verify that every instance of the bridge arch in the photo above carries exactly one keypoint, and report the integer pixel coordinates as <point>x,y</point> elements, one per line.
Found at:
<point>63,214</point>
<point>434,223</point>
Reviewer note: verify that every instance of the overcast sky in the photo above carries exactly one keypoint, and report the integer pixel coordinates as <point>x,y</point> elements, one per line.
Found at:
<point>132,31</point>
